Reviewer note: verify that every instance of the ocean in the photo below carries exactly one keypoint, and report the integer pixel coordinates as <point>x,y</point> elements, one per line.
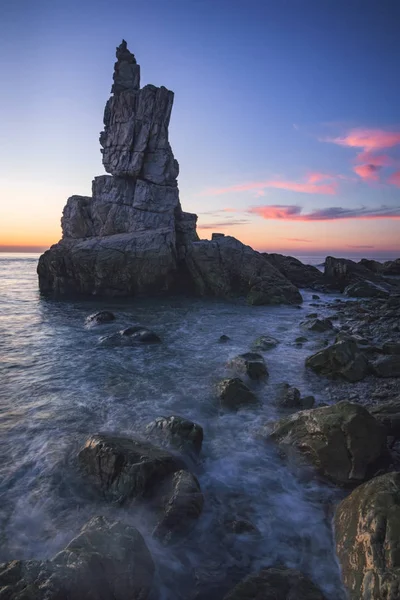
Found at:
<point>59,384</point>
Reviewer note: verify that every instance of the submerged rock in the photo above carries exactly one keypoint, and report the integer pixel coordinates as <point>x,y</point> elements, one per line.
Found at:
<point>224,339</point>
<point>367,530</point>
<point>265,342</point>
<point>178,432</point>
<point>141,334</point>
<point>234,394</point>
<point>250,363</point>
<point>107,560</point>
<point>343,442</point>
<point>276,584</point>
<point>124,468</point>
<point>343,359</point>
<point>319,325</point>
<point>104,316</point>
<point>289,397</point>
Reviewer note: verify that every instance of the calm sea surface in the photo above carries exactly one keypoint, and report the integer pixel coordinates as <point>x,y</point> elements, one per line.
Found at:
<point>59,385</point>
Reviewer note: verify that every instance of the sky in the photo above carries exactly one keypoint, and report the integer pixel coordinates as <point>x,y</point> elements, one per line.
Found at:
<point>286,119</point>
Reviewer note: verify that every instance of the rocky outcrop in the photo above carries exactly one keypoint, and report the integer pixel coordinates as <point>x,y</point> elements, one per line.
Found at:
<point>251,364</point>
<point>342,272</point>
<point>131,236</point>
<point>276,583</point>
<point>343,442</point>
<point>234,394</point>
<point>178,432</point>
<point>107,560</point>
<point>301,275</point>
<point>367,289</point>
<point>367,529</point>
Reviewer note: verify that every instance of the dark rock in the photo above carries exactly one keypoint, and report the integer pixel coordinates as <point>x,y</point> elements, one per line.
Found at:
<point>391,267</point>
<point>391,348</point>
<point>387,366</point>
<point>319,325</point>
<point>223,339</point>
<point>234,394</point>
<point>342,359</point>
<point>342,272</point>
<point>288,396</point>
<point>315,297</point>
<point>180,433</point>
<point>142,335</point>
<point>250,363</point>
<point>367,531</point>
<point>241,526</point>
<point>178,503</point>
<point>342,441</point>
<point>307,402</point>
<point>265,342</point>
<point>387,414</point>
<point>367,289</point>
<point>301,339</point>
<point>275,584</point>
<point>293,269</point>
<point>104,316</point>
<point>107,560</point>
<point>124,468</point>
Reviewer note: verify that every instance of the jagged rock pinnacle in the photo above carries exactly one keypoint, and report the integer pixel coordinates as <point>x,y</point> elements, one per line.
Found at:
<point>126,70</point>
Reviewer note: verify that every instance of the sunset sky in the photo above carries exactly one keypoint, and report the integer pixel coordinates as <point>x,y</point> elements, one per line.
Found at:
<point>286,120</point>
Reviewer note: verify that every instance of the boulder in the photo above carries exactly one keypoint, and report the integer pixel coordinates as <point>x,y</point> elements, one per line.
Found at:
<point>343,442</point>
<point>107,560</point>
<point>367,289</point>
<point>234,394</point>
<point>276,584</point>
<point>387,366</point>
<point>177,504</point>
<point>367,532</point>
<point>124,468</point>
<point>290,397</point>
<point>265,342</point>
<point>343,359</point>
<point>141,334</point>
<point>300,275</point>
<point>388,415</point>
<point>104,316</point>
<point>342,272</point>
<point>178,432</point>
<point>319,325</point>
<point>224,339</point>
<point>250,363</point>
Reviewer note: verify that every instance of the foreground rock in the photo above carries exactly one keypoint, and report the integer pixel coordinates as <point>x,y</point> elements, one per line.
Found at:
<point>131,236</point>
<point>367,531</point>
<point>180,433</point>
<point>343,359</point>
<point>107,560</point>
<point>276,584</point>
<point>234,394</point>
<point>124,468</point>
<point>343,442</point>
<point>251,364</point>
<point>302,276</point>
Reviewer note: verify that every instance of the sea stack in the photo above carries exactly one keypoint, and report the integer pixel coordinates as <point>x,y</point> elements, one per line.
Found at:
<point>131,237</point>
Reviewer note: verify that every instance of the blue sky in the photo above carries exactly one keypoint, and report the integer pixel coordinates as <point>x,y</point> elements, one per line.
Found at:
<point>260,87</point>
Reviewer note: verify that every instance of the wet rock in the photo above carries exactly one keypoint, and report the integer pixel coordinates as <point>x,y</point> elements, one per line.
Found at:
<point>223,339</point>
<point>265,342</point>
<point>342,359</point>
<point>391,347</point>
<point>234,394</point>
<point>276,584</point>
<point>387,366</point>
<point>301,339</point>
<point>140,334</point>
<point>288,396</point>
<point>299,274</point>
<point>250,363</point>
<point>178,503</point>
<point>315,297</point>
<point>367,532</point>
<point>367,289</point>
<point>241,526</point>
<point>343,442</point>
<point>387,414</point>
<point>104,316</point>
<point>319,325</point>
<point>107,560</point>
<point>180,433</point>
<point>307,402</point>
<point>124,468</point>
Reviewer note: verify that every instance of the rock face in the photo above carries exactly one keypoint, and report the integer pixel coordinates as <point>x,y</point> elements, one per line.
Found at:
<point>342,441</point>
<point>276,584</point>
<point>367,531</point>
<point>107,560</point>
<point>342,272</point>
<point>131,236</point>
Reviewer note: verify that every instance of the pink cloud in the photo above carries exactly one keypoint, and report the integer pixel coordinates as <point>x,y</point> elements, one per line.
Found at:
<point>310,186</point>
<point>382,160</point>
<point>294,213</point>
<point>369,139</point>
<point>395,179</point>
<point>368,172</point>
